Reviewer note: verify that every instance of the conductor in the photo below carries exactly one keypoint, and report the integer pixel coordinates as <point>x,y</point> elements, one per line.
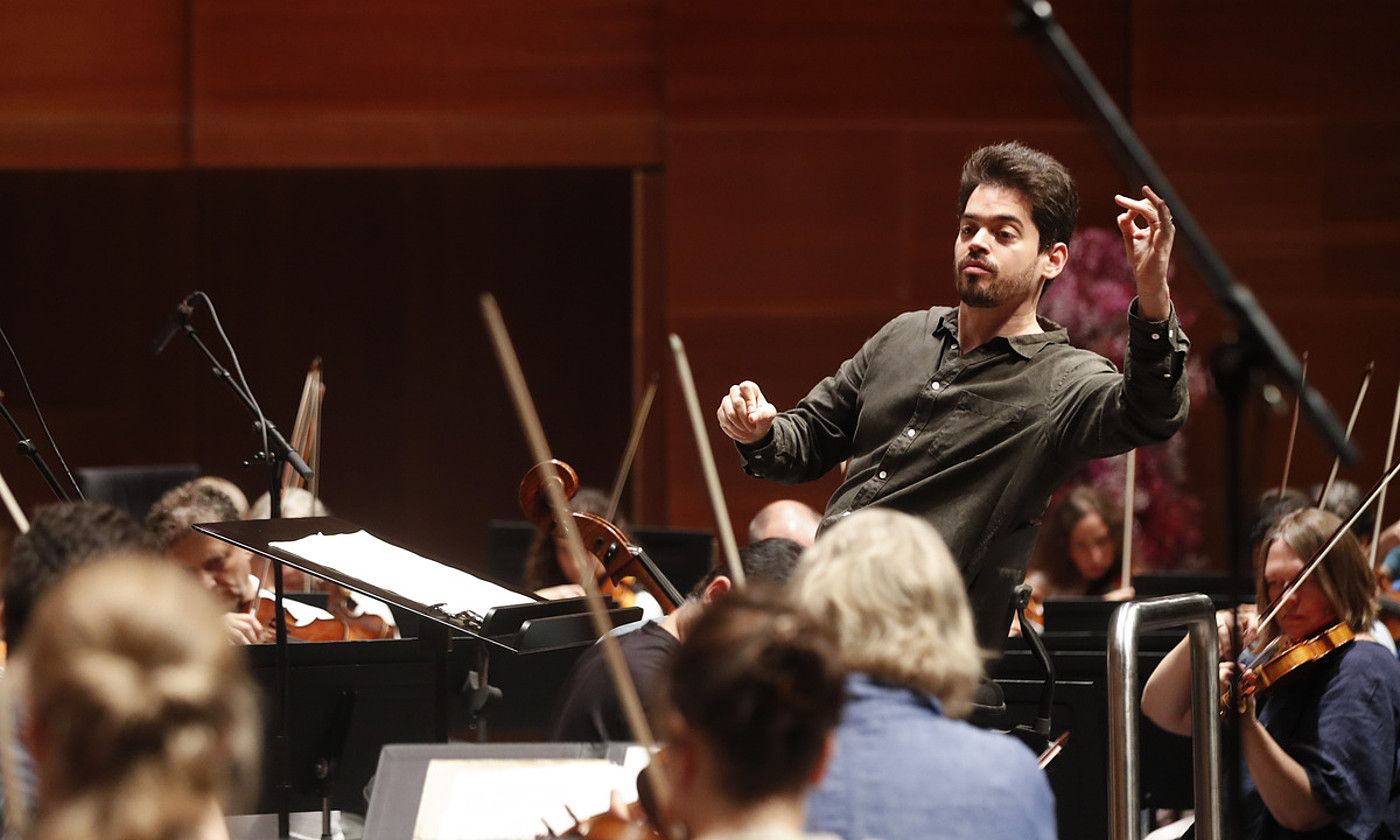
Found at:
<point>971,416</point>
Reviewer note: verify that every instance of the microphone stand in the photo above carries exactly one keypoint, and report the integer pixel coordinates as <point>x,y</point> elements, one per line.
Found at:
<point>1256,348</point>
<point>27,448</point>
<point>278,452</point>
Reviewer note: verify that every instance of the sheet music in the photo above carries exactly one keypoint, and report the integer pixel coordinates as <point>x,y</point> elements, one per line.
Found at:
<point>365,557</point>
<point>503,799</point>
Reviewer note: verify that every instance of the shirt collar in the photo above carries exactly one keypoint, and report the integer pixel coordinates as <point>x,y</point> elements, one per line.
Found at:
<point>865,687</point>
<point>1024,346</point>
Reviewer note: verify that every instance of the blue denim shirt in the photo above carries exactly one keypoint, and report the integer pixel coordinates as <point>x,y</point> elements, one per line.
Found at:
<point>903,769</point>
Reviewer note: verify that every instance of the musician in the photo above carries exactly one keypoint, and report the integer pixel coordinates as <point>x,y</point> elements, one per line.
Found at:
<point>970,417</point>
<point>550,570</point>
<point>1320,746</point>
<point>1079,551</point>
<point>885,584</point>
<point>221,568</point>
<point>590,709</point>
<point>786,518</point>
<point>142,719</point>
<point>753,695</point>
<point>61,537</point>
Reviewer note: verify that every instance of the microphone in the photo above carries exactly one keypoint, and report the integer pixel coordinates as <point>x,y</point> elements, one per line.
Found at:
<point>174,323</point>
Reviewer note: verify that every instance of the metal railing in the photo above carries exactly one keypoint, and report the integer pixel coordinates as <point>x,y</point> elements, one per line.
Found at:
<point>1130,620</point>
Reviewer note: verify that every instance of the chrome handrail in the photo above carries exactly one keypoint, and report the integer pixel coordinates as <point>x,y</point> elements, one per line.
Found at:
<point>1129,621</point>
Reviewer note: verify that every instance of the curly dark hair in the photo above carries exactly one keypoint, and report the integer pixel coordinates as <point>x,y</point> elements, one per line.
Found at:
<point>193,502</point>
<point>758,682</point>
<point>61,537</point>
<point>1044,181</point>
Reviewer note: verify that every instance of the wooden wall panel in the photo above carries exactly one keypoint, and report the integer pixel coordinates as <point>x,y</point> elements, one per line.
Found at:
<point>770,60</point>
<point>427,82</point>
<point>378,273</point>
<point>1273,127</point>
<point>91,84</point>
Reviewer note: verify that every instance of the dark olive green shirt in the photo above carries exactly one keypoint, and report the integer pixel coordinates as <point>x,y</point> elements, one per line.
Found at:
<point>975,443</point>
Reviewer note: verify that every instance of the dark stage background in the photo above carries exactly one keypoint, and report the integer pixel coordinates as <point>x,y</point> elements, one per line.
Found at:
<point>792,177</point>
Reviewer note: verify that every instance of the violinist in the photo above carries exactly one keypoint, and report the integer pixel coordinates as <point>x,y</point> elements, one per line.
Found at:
<point>221,568</point>
<point>970,416</point>
<point>1080,550</point>
<point>751,699</point>
<point>590,709</point>
<point>1320,745</point>
<point>552,573</point>
<point>61,538</point>
<point>887,586</point>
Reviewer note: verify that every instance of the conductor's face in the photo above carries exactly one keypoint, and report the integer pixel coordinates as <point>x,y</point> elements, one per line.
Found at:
<point>996,257</point>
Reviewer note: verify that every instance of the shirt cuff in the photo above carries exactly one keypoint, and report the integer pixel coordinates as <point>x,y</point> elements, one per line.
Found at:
<point>758,457</point>
<point>1161,336</point>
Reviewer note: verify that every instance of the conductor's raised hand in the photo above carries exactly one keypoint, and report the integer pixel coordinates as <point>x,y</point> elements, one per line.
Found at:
<point>744,414</point>
<point>1149,249</point>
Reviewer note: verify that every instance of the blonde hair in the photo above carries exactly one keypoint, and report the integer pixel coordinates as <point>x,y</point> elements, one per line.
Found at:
<point>886,585</point>
<point>1344,575</point>
<point>145,714</point>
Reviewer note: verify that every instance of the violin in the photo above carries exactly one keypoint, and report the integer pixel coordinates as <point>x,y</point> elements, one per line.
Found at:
<point>609,825</point>
<point>302,625</point>
<point>1267,674</point>
<point>603,540</point>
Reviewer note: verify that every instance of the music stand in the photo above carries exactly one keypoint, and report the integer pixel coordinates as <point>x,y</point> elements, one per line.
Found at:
<point>530,625</point>
<point>403,770</point>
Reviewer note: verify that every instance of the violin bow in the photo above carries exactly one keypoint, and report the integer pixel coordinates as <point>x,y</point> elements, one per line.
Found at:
<point>559,504</point>
<point>1351,424</point>
<point>1293,427</point>
<point>1129,507</point>
<point>314,435</point>
<point>303,434</point>
<point>1380,502</point>
<point>624,468</point>
<point>16,512</point>
<point>1332,541</point>
<point>1055,748</point>
<point>723,524</point>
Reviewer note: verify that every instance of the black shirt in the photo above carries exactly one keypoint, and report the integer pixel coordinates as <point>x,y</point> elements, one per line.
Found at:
<point>589,709</point>
<point>976,443</point>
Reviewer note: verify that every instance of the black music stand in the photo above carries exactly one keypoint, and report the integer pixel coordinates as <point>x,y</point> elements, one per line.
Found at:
<point>533,626</point>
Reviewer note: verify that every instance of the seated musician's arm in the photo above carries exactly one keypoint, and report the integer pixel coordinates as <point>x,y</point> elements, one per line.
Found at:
<point>1282,782</point>
<point>1341,772</point>
<point>1166,699</point>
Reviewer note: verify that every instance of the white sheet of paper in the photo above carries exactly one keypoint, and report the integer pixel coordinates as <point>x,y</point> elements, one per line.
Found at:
<point>363,556</point>
<point>507,799</point>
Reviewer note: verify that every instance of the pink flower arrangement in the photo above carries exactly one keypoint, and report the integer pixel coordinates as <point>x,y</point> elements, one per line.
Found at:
<point>1090,299</point>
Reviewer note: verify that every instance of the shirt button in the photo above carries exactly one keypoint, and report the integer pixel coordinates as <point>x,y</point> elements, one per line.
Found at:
<point>935,386</point>
<point>884,474</point>
<point>1166,376</point>
<point>909,432</point>
<point>1156,336</point>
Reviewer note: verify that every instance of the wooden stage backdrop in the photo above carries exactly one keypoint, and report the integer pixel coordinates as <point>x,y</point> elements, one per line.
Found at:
<point>772,179</point>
